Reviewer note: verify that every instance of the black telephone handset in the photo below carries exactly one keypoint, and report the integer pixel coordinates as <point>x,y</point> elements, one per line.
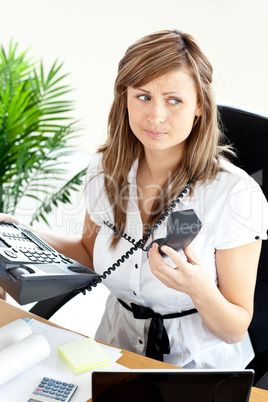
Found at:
<point>31,270</point>
<point>182,228</point>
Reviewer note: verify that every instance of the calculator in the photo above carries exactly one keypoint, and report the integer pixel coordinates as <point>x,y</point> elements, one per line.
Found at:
<point>50,389</point>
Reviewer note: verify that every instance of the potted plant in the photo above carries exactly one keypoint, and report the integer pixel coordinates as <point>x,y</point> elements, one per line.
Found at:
<point>35,133</point>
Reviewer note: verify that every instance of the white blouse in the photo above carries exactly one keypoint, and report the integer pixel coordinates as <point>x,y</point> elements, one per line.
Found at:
<point>233,212</point>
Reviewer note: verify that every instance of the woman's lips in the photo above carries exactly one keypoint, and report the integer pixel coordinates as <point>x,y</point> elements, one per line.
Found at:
<point>154,133</point>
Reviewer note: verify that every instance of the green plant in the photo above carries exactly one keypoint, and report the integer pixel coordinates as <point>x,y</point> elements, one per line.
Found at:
<point>35,133</point>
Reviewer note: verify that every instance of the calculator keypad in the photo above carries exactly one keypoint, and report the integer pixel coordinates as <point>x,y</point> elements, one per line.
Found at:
<point>50,389</point>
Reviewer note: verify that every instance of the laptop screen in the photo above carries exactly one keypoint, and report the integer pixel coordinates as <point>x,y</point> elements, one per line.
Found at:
<point>172,386</point>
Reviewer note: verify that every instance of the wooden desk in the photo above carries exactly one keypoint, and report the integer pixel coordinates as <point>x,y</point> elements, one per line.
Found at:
<point>9,313</point>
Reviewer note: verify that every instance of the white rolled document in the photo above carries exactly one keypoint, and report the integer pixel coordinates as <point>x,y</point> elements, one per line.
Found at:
<point>22,354</point>
<point>13,332</point>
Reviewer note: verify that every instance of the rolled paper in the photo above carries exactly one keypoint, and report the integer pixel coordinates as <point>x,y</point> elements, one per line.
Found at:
<point>22,355</point>
<point>13,333</point>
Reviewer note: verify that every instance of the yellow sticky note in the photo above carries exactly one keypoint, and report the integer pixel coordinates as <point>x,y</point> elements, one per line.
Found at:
<point>85,354</point>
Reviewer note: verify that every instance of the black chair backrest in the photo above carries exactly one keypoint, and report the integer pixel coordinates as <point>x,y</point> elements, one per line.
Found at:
<point>248,132</point>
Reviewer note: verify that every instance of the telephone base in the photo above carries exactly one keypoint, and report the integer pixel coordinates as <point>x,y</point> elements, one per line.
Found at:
<point>26,287</point>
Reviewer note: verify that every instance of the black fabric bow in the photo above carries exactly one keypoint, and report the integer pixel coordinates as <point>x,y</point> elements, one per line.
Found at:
<point>157,342</point>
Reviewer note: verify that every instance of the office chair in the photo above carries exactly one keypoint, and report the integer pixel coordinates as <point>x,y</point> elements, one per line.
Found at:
<point>248,132</point>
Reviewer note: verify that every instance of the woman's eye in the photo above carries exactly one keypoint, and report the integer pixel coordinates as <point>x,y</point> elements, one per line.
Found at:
<point>144,97</point>
<point>174,101</point>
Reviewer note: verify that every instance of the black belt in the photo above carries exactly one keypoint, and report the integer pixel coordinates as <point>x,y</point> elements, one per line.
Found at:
<point>158,342</point>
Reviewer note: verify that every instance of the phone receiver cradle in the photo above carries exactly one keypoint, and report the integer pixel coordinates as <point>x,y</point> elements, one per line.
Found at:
<point>182,228</point>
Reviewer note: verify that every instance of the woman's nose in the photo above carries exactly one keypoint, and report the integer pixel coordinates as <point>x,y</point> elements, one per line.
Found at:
<point>156,113</point>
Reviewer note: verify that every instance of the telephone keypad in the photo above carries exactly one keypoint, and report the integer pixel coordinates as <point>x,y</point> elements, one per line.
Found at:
<point>42,256</point>
<point>10,253</point>
<point>35,255</point>
<point>33,251</point>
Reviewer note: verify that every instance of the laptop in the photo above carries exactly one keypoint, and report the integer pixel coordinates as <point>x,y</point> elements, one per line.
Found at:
<point>176,385</point>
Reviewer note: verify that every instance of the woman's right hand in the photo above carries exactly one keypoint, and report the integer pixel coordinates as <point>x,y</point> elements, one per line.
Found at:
<point>9,218</point>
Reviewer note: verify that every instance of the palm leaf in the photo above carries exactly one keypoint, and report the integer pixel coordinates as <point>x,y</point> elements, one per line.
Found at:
<point>35,130</point>
<point>61,196</point>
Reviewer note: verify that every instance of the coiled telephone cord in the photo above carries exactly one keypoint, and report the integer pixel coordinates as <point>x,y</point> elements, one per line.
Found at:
<point>140,243</point>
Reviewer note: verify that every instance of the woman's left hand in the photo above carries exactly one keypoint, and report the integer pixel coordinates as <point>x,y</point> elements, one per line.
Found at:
<point>226,308</point>
<point>189,276</point>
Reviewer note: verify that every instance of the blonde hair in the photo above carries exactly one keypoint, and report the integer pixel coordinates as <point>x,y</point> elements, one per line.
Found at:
<point>147,59</point>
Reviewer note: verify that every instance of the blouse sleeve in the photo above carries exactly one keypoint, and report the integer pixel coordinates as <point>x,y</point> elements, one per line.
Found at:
<point>97,203</point>
<point>244,216</point>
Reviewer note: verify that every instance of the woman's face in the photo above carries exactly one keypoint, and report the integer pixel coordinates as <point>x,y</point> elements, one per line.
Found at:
<point>162,112</point>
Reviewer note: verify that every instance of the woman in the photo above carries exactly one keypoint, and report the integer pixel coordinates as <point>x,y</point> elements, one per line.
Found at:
<point>191,308</point>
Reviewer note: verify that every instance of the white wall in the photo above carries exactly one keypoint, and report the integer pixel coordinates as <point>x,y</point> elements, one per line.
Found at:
<point>91,36</point>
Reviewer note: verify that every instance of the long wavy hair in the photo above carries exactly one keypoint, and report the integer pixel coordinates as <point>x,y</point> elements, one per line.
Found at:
<point>147,59</point>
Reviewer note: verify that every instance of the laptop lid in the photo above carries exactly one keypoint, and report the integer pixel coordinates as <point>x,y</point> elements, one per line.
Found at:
<point>178,385</point>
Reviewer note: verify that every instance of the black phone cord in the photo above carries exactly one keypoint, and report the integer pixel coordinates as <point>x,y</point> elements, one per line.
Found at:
<point>136,244</point>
